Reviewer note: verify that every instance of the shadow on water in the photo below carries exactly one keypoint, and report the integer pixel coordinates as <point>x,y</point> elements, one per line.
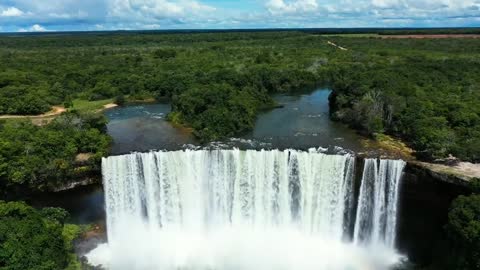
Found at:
<point>85,204</point>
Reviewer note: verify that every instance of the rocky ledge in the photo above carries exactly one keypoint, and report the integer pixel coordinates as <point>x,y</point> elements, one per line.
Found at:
<point>77,183</point>
<point>460,173</point>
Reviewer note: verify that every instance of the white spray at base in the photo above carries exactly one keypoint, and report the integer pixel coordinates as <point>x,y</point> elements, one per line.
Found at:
<point>246,210</point>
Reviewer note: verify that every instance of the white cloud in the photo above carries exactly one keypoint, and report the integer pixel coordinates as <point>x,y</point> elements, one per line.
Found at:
<point>33,28</point>
<point>386,3</point>
<point>151,26</point>
<point>281,7</point>
<point>152,11</point>
<point>427,6</point>
<point>174,14</point>
<point>368,13</point>
<point>11,12</point>
<point>38,28</point>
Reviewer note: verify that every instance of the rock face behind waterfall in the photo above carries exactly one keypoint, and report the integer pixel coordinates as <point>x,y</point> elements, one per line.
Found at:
<point>301,195</point>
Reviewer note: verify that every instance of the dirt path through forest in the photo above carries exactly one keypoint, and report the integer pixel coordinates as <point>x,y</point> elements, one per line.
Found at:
<point>335,45</point>
<point>56,110</point>
<point>47,117</point>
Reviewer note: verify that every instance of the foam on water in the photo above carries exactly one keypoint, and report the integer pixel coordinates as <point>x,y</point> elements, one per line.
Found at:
<point>231,209</point>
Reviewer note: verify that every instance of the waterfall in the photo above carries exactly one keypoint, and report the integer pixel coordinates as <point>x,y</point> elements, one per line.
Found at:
<point>377,203</point>
<point>232,209</point>
<point>204,189</point>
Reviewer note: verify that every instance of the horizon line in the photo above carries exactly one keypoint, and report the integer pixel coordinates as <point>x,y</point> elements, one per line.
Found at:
<point>259,29</point>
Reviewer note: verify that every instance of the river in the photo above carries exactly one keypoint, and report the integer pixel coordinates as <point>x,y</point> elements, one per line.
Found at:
<point>301,122</point>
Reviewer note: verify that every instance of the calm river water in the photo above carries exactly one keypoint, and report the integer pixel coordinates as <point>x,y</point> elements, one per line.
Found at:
<point>302,122</point>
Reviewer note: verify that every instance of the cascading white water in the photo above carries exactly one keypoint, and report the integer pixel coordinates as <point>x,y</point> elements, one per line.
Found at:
<point>377,203</point>
<point>232,209</point>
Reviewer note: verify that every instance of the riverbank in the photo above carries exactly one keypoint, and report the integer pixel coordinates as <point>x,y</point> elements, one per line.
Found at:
<point>387,147</point>
<point>300,122</point>
<point>459,174</point>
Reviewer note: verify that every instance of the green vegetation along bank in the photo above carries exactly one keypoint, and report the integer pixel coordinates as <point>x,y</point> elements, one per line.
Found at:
<point>463,229</point>
<point>33,239</point>
<point>41,158</point>
<point>430,100</point>
<point>425,91</point>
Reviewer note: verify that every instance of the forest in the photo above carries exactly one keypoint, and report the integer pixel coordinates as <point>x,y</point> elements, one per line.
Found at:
<point>36,239</point>
<point>423,91</point>
<point>431,104</point>
<point>463,229</point>
<point>37,159</point>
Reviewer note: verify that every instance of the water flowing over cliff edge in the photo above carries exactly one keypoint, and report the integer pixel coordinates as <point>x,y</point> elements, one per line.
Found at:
<point>232,209</point>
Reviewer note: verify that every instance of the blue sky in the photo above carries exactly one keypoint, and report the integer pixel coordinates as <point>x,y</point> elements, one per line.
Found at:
<point>61,15</point>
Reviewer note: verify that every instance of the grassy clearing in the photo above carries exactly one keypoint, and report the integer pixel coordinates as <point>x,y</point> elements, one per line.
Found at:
<point>90,106</point>
<point>79,105</point>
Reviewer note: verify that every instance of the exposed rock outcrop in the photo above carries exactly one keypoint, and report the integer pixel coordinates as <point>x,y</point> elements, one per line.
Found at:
<point>460,174</point>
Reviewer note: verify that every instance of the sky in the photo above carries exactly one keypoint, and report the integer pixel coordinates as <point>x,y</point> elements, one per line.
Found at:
<point>88,15</point>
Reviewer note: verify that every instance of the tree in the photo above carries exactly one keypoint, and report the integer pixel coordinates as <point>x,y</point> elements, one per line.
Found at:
<point>164,53</point>
<point>57,94</point>
<point>41,158</point>
<point>464,229</point>
<point>120,100</point>
<point>219,110</point>
<point>68,103</point>
<point>475,185</point>
<point>29,240</point>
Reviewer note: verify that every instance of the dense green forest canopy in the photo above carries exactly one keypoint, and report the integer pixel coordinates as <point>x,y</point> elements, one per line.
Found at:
<point>35,239</point>
<point>426,91</point>
<point>40,158</point>
<point>464,229</point>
